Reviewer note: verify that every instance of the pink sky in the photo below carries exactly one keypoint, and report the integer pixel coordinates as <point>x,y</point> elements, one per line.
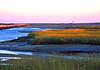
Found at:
<point>49,11</point>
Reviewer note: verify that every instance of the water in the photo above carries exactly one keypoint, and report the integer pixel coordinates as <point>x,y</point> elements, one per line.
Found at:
<point>14,33</point>
<point>42,55</point>
<point>15,52</point>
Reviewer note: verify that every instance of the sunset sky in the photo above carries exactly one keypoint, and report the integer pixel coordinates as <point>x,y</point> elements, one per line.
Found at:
<point>49,11</point>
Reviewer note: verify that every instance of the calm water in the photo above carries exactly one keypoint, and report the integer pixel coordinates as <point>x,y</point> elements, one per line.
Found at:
<point>14,33</point>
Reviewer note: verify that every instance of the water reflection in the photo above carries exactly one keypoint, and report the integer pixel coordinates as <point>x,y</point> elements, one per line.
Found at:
<point>15,52</point>
<point>8,58</point>
<point>14,33</point>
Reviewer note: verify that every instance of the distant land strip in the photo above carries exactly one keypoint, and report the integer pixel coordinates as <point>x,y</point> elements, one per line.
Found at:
<point>7,26</point>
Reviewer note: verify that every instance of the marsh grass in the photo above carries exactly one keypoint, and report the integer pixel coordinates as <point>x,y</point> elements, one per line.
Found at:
<point>66,36</point>
<point>51,64</point>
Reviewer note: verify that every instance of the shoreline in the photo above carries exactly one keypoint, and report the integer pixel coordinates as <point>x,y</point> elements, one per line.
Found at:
<point>8,26</point>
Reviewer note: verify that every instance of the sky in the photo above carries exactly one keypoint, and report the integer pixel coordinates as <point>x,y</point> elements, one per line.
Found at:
<point>49,11</point>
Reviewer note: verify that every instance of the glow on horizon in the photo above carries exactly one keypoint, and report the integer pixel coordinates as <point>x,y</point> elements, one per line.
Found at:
<point>49,11</point>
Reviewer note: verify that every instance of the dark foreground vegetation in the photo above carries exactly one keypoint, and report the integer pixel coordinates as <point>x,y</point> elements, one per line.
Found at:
<point>50,64</point>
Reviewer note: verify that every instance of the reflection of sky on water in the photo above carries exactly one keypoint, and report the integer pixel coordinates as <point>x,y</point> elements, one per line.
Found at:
<point>8,58</point>
<point>14,52</point>
<point>46,56</point>
<point>14,33</point>
<point>10,35</point>
<point>42,55</point>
